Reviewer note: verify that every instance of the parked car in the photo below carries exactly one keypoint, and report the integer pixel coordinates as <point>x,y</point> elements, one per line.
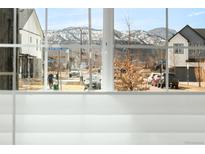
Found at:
<point>96,81</point>
<point>74,73</point>
<point>150,78</point>
<point>155,80</point>
<point>173,81</point>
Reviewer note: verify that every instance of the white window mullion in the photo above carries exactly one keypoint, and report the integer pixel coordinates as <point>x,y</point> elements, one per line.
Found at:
<point>108,50</point>
<point>46,51</point>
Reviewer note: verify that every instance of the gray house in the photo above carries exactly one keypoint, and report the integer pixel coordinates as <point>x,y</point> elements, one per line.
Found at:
<point>184,61</point>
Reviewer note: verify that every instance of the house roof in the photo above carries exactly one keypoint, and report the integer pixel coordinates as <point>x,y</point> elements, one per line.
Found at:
<point>200,32</point>
<point>24,15</point>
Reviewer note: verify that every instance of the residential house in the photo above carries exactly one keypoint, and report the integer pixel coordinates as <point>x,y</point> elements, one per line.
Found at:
<point>184,61</point>
<point>30,33</point>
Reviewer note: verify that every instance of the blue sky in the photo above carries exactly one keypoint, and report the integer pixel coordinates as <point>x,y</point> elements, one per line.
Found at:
<point>144,19</point>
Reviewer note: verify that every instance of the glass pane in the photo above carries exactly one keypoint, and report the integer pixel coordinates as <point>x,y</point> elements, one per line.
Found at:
<point>31,24</point>
<point>95,71</point>
<point>189,68</point>
<point>186,51</point>
<point>97,25</point>
<point>67,69</point>
<point>68,26</point>
<point>140,26</point>
<point>6,25</point>
<point>30,68</point>
<point>139,69</point>
<point>6,68</point>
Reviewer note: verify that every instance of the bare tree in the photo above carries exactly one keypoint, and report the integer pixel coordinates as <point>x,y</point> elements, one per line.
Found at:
<point>129,75</point>
<point>128,24</point>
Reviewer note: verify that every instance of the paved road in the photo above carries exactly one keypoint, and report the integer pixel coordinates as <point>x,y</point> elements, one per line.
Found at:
<point>156,89</point>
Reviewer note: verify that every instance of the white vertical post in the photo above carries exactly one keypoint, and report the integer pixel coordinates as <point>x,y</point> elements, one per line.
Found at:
<point>46,51</point>
<point>108,50</point>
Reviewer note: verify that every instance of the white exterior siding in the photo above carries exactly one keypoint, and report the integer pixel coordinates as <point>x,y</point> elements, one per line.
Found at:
<point>32,30</point>
<point>177,60</point>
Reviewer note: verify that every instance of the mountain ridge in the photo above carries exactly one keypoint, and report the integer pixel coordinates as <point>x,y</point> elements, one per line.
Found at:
<point>79,35</point>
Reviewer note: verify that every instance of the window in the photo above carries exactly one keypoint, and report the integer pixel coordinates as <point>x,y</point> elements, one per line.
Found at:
<point>140,35</point>
<point>30,39</point>
<point>6,24</point>
<point>178,49</point>
<point>37,44</point>
<point>144,58</point>
<point>6,68</point>
<point>30,69</point>
<point>75,64</point>
<point>186,49</point>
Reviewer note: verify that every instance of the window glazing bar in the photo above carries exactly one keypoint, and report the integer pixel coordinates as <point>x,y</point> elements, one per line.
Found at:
<point>46,51</point>
<point>78,46</point>
<point>90,48</point>
<point>167,69</point>
<point>14,76</point>
<point>6,73</point>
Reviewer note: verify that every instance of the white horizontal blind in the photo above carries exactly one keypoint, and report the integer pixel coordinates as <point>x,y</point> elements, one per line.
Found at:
<point>110,119</point>
<point>6,118</point>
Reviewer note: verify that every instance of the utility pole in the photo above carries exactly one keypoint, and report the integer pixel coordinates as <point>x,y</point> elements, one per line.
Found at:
<point>81,43</point>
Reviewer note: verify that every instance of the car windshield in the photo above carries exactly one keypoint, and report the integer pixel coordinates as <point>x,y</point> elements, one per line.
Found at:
<point>74,70</point>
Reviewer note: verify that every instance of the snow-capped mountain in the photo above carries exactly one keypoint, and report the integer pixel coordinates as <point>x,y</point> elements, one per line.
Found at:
<point>74,35</point>
<point>161,32</point>
<point>80,35</point>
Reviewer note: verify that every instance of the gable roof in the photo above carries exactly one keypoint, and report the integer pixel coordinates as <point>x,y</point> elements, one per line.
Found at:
<point>199,32</point>
<point>24,15</point>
